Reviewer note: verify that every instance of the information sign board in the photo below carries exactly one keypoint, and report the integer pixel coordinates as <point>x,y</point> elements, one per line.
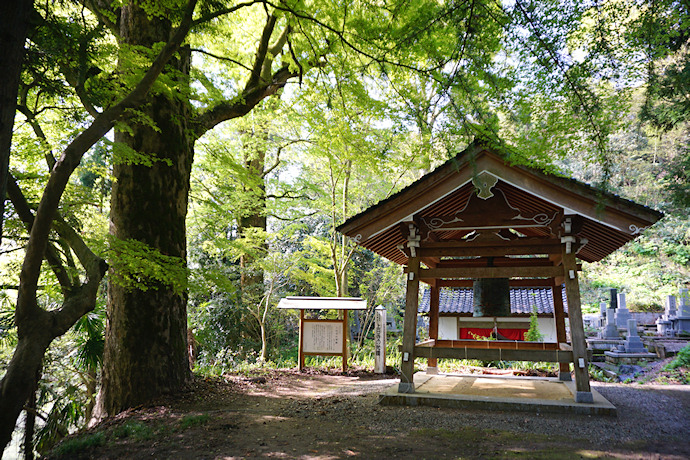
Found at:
<point>322,337</point>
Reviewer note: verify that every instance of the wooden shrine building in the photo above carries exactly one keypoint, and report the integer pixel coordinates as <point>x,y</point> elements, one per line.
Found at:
<point>477,221</point>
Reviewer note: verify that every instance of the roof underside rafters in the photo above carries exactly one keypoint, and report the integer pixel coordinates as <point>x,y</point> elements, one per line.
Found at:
<point>477,197</point>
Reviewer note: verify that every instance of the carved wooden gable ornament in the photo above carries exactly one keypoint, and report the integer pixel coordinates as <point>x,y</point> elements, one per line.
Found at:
<point>477,196</point>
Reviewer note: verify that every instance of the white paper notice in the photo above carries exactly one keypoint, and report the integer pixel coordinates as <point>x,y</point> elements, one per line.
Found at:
<point>322,337</point>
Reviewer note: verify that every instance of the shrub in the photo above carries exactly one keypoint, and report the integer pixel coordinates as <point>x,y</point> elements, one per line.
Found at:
<point>533,334</point>
<point>681,360</point>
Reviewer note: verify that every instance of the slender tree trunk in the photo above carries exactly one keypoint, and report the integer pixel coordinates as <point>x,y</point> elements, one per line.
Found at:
<point>341,265</point>
<point>14,21</point>
<point>30,424</point>
<point>16,385</point>
<point>251,277</point>
<point>146,333</point>
<point>254,217</point>
<point>91,384</point>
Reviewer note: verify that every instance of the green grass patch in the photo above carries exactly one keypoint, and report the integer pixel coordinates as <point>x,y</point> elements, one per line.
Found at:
<point>189,421</point>
<point>71,447</point>
<point>133,430</point>
<point>682,359</point>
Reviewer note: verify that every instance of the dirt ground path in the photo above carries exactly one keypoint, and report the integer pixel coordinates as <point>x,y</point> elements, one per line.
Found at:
<point>289,415</point>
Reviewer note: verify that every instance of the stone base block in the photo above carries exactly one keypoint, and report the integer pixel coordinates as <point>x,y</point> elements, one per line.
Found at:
<point>615,357</point>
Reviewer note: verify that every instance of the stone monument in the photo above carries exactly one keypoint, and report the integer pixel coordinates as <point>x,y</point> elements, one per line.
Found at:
<point>603,306</point>
<point>633,343</point>
<point>613,301</point>
<point>632,350</point>
<point>664,325</point>
<point>682,321</point>
<point>610,332</point>
<point>622,313</point>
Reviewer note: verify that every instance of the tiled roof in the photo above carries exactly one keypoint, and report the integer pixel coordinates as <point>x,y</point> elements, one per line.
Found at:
<point>607,221</point>
<point>522,301</point>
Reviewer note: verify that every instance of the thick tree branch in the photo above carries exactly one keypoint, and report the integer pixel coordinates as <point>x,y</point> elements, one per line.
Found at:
<point>260,59</point>
<point>222,12</point>
<point>273,51</point>
<point>23,210</point>
<point>104,11</point>
<point>241,105</point>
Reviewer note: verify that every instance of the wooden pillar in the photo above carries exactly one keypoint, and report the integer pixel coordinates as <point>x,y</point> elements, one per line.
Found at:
<point>409,327</point>
<point>300,358</point>
<point>345,336</point>
<point>577,330</point>
<point>559,318</point>
<point>432,363</point>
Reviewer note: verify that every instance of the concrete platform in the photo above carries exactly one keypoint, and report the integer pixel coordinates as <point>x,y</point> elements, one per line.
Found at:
<point>491,392</point>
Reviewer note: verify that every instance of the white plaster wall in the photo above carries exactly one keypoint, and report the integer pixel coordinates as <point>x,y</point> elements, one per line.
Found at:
<point>448,326</point>
<point>547,327</point>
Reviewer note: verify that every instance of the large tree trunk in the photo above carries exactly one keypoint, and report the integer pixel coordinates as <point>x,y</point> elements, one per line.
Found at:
<point>146,333</point>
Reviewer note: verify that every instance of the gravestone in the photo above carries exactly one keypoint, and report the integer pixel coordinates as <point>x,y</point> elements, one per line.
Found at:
<point>633,343</point>
<point>611,331</point>
<point>682,321</point>
<point>664,325</point>
<point>613,301</point>
<point>622,313</point>
<point>603,306</point>
<point>670,307</point>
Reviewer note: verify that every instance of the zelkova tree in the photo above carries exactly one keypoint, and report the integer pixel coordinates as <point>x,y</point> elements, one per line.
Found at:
<point>36,327</point>
<point>145,352</point>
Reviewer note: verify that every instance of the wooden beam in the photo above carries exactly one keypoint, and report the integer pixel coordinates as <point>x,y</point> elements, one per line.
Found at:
<point>495,354</point>
<point>488,251</point>
<point>495,262</point>
<point>300,358</point>
<point>468,283</point>
<point>409,327</point>
<point>491,272</point>
<point>519,242</point>
<point>346,334</point>
<point>503,344</point>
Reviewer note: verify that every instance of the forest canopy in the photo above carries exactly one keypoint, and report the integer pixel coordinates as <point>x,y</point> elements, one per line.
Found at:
<point>177,167</point>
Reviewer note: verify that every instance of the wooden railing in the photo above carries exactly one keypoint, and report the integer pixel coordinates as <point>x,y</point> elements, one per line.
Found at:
<point>494,350</point>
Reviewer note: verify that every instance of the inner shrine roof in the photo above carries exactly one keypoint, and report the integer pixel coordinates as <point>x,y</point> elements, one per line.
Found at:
<point>478,193</point>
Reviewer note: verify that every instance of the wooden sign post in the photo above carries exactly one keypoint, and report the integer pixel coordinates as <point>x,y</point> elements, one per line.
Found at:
<point>323,337</point>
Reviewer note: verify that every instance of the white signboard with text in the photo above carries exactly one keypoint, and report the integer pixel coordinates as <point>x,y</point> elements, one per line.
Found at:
<point>322,337</point>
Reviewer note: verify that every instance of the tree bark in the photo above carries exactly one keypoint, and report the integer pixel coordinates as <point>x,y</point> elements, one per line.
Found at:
<point>146,333</point>
<point>14,22</point>
<point>30,424</point>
